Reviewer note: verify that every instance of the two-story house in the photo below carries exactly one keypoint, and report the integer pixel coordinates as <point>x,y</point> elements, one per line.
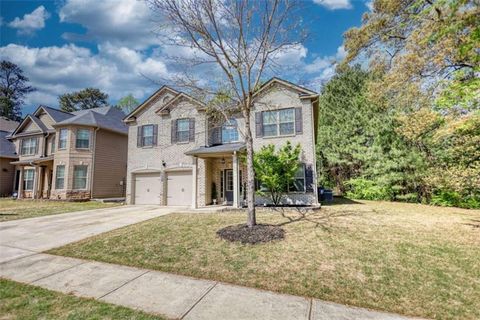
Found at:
<point>181,156</point>
<point>77,155</point>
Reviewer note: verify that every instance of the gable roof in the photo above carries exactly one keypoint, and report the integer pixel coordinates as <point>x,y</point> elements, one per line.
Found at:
<point>180,96</point>
<point>7,148</point>
<point>30,118</point>
<point>108,118</point>
<point>304,91</point>
<point>149,100</point>
<point>55,114</point>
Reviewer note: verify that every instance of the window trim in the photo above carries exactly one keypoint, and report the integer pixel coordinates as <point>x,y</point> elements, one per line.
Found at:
<point>60,139</point>
<point>89,139</point>
<point>152,136</point>
<point>86,177</point>
<point>235,125</point>
<point>25,180</point>
<point>30,147</point>
<point>53,144</point>
<point>304,178</point>
<point>63,177</point>
<point>278,122</point>
<point>177,140</point>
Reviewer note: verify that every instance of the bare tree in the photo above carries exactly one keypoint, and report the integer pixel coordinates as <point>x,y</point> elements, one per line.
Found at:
<point>242,38</point>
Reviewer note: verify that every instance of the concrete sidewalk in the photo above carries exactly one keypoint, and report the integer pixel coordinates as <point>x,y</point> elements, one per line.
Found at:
<point>173,296</point>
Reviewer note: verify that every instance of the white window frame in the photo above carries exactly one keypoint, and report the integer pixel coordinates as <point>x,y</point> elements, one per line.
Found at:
<point>228,127</point>
<point>74,187</point>
<point>25,180</point>
<point>62,139</point>
<point>57,177</point>
<point>187,131</point>
<point>31,146</point>
<point>144,137</point>
<point>77,140</point>
<point>278,122</point>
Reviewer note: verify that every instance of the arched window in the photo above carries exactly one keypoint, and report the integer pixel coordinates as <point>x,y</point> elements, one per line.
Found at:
<point>229,131</point>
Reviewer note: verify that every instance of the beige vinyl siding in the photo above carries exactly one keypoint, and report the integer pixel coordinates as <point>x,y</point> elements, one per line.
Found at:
<point>46,120</point>
<point>110,164</point>
<point>7,175</point>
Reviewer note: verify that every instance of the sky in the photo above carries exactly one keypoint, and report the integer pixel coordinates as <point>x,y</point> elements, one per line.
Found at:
<point>67,45</point>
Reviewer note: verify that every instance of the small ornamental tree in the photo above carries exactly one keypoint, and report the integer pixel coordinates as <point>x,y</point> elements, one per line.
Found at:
<point>276,170</point>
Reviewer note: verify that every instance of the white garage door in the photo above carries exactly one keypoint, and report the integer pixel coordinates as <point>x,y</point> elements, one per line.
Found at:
<point>179,188</point>
<point>147,188</point>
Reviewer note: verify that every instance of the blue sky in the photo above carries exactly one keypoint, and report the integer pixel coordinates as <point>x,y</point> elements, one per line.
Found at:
<point>67,45</point>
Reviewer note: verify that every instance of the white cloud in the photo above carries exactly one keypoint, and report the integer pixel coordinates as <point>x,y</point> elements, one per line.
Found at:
<point>335,4</point>
<point>369,5</point>
<point>324,67</point>
<point>31,21</point>
<point>57,70</point>
<point>120,22</point>
<point>290,56</point>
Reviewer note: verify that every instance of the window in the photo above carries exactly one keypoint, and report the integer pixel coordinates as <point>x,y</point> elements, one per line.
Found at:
<point>279,122</point>
<point>229,131</point>
<point>80,177</point>
<point>28,176</point>
<point>229,180</point>
<point>83,139</point>
<point>29,146</point>
<point>62,139</point>
<point>183,130</point>
<point>60,177</point>
<point>147,135</point>
<point>53,145</point>
<point>299,183</point>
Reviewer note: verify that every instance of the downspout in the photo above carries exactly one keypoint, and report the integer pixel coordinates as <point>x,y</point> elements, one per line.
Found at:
<point>94,147</point>
<point>314,133</point>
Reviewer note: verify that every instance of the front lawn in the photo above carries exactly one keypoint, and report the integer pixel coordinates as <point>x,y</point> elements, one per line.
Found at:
<point>21,301</point>
<point>20,209</point>
<point>406,258</point>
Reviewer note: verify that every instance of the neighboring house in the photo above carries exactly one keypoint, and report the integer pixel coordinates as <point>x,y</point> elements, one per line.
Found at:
<point>7,155</point>
<point>77,155</point>
<point>178,154</point>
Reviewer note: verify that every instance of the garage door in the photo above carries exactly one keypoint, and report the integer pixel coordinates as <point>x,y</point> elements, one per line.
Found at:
<point>179,188</point>
<point>147,188</point>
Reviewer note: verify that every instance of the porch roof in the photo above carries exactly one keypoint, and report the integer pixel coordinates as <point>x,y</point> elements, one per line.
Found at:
<point>33,161</point>
<point>217,150</point>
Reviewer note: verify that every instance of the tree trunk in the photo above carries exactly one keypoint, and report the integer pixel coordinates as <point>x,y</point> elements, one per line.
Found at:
<point>252,219</point>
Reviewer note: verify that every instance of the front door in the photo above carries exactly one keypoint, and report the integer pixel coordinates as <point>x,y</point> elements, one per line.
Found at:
<point>229,185</point>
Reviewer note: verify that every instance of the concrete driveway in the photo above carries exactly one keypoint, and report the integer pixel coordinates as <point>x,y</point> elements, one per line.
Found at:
<point>25,237</point>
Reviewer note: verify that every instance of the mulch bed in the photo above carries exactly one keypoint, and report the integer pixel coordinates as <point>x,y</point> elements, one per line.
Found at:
<point>260,233</point>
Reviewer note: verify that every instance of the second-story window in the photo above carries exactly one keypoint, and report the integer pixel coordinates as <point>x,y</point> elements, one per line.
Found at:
<point>52,150</point>
<point>279,122</point>
<point>62,139</point>
<point>147,135</point>
<point>229,131</point>
<point>83,139</point>
<point>183,130</point>
<point>29,146</point>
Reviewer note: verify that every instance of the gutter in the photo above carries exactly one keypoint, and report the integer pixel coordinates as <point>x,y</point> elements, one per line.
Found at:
<point>94,147</point>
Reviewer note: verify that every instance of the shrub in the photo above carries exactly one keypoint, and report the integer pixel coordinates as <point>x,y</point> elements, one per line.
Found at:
<point>365,189</point>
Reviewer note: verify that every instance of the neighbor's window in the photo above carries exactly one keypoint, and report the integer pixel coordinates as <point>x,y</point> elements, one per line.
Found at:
<point>279,122</point>
<point>183,130</point>
<point>83,139</point>
<point>28,176</point>
<point>62,139</point>
<point>229,131</point>
<point>299,183</point>
<point>80,177</point>
<point>147,135</point>
<point>60,177</point>
<point>29,146</point>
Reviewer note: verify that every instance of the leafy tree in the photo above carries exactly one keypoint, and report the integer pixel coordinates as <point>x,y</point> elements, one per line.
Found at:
<point>276,170</point>
<point>88,98</point>
<point>127,103</point>
<point>13,88</point>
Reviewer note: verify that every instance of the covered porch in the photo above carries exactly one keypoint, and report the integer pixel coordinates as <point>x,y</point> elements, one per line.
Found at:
<point>220,179</point>
<point>34,178</point>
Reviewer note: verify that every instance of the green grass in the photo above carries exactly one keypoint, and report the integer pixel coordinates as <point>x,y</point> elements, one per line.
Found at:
<point>21,209</point>
<point>21,301</point>
<point>406,258</point>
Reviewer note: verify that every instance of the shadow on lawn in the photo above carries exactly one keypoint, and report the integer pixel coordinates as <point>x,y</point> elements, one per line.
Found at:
<point>340,200</point>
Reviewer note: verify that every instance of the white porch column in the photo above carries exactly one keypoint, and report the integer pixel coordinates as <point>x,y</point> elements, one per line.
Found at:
<point>35,182</point>
<point>20,184</point>
<point>194,182</point>
<point>236,182</point>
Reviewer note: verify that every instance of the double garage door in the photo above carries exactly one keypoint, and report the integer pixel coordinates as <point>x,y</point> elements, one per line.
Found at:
<point>179,188</point>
